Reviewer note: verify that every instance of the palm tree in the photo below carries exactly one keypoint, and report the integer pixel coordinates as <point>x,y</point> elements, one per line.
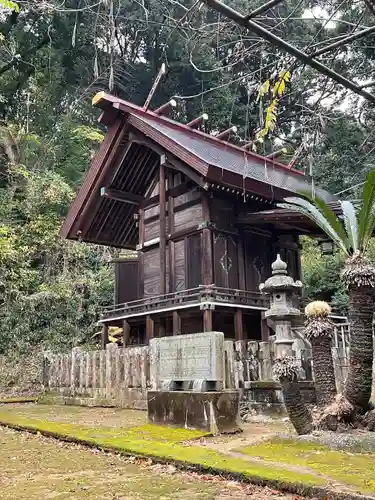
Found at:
<point>318,330</point>
<point>286,371</point>
<point>352,233</point>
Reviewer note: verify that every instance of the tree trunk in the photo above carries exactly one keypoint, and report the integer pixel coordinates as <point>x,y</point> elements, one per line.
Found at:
<point>295,406</point>
<point>359,382</point>
<point>324,374</point>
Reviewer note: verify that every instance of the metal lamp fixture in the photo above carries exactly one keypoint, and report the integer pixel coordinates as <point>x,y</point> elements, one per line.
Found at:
<point>326,246</point>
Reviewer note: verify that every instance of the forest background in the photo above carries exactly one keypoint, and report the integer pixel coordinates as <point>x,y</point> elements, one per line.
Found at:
<point>55,56</point>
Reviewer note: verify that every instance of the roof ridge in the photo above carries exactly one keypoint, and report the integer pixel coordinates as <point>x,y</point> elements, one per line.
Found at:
<point>102,99</point>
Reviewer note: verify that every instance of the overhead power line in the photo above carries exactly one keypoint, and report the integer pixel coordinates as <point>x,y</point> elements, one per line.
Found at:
<point>298,54</point>
<point>350,188</point>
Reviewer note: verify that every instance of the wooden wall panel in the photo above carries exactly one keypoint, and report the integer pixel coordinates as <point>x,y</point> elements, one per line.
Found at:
<point>258,252</point>
<point>187,214</point>
<point>180,265</point>
<point>225,261</point>
<point>223,213</point>
<point>126,281</point>
<point>287,247</point>
<point>151,259</point>
<point>188,197</point>
<point>232,252</point>
<point>220,261</point>
<point>193,269</point>
<point>151,271</point>
<point>152,229</point>
<point>190,216</point>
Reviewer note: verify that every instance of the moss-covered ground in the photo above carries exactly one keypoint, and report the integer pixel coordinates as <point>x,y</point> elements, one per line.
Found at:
<point>287,464</point>
<point>37,468</point>
<point>355,469</point>
<point>17,399</point>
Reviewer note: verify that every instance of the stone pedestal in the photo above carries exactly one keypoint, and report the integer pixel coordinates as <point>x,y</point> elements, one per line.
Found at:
<point>266,397</point>
<point>188,362</point>
<point>215,412</point>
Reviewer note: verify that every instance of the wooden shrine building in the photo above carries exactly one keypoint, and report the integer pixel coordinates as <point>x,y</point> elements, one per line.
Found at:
<point>191,206</point>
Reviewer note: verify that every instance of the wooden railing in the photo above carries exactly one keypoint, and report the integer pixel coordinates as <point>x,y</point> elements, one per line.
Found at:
<point>192,296</point>
<point>189,297</point>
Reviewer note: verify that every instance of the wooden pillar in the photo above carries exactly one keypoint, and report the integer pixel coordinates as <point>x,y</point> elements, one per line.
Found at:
<point>207,320</point>
<point>162,329</point>
<point>171,253</point>
<point>176,323</point>
<point>241,263</point>
<point>104,336</point>
<point>264,330</point>
<point>162,221</point>
<point>207,251</point>
<point>207,260</point>
<point>149,328</point>
<point>238,325</point>
<point>141,229</point>
<point>125,333</point>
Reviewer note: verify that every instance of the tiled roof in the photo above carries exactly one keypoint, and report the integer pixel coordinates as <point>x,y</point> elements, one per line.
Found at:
<point>228,157</point>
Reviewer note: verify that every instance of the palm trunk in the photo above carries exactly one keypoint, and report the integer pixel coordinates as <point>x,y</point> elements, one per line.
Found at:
<point>324,374</point>
<point>295,406</point>
<point>359,382</point>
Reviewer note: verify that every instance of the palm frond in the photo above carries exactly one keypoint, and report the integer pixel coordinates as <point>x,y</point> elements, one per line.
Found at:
<point>314,214</point>
<point>366,220</point>
<point>369,230</point>
<point>351,224</point>
<point>331,217</point>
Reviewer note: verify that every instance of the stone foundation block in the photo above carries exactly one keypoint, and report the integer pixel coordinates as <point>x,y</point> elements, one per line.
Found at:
<point>215,412</point>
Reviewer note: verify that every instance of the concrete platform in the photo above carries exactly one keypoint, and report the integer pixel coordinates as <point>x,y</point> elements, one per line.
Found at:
<point>215,412</point>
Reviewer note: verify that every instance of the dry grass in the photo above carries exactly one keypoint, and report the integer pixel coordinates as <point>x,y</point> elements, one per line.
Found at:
<point>110,417</point>
<point>34,467</point>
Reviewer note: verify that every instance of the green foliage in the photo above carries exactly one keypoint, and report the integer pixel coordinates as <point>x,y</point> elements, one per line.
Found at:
<point>51,290</point>
<point>353,235</point>
<point>277,91</point>
<point>321,276</point>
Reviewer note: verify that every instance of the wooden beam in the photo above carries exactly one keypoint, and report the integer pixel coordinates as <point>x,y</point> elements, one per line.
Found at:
<point>238,325</point>
<point>162,328</point>
<point>124,196</point>
<point>188,171</point>
<point>141,231</point>
<point>182,188</point>
<point>150,325</point>
<point>207,320</point>
<point>176,323</point>
<point>241,263</point>
<point>125,333</point>
<point>104,336</point>
<point>207,250</point>
<point>171,160</point>
<point>108,116</point>
<point>184,232</point>
<point>171,245</point>
<point>207,257</point>
<point>100,164</point>
<point>162,228</point>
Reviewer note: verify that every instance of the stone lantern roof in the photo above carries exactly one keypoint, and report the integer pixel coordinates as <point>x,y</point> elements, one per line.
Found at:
<point>280,281</point>
<point>282,289</point>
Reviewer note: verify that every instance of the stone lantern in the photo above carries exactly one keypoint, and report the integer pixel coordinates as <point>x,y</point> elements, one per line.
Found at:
<point>282,290</point>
